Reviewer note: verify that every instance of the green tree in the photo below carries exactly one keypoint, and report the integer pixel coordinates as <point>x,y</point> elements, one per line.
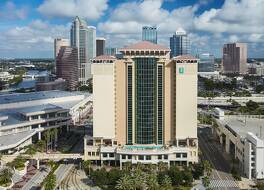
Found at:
<point>251,105</point>
<point>175,175</point>
<point>198,170</point>
<point>99,177</point>
<point>206,181</point>
<point>187,177</point>
<point>162,166</point>
<point>51,182</point>
<point>113,176</point>
<point>152,182</point>
<point>125,183</point>
<point>207,167</point>
<point>31,150</point>
<point>166,183</point>
<point>5,176</point>
<point>259,88</point>
<point>260,185</point>
<point>41,146</point>
<point>87,166</point>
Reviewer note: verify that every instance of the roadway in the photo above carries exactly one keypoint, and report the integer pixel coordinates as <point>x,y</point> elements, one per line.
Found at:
<point>220,179</point>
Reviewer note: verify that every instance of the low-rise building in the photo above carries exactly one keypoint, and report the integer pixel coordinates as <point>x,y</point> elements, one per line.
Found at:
<point>58,84</point>
<point>243,138</point>
<point>24,117</point>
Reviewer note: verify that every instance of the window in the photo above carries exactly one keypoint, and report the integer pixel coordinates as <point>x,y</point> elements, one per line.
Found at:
<point>43,116</point>
<point>89,153</point>
<point>178,155</point>
<point>34,117</point>
<point>184,155</point>
<point>159,157</point>
<point>129,157</point>
<point>111,155</point>
<point>148,157</point>
<point>165,157</point>
<point>34,126</point>
<point>123,156</point>
<point>104,155</point>
<point>140,157</point>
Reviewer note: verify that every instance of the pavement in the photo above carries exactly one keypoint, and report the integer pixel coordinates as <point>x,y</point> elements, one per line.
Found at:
<point>35,181</point>
<point>220,179</point>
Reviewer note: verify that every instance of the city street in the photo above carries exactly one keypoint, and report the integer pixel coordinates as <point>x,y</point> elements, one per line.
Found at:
<point>220,177</point>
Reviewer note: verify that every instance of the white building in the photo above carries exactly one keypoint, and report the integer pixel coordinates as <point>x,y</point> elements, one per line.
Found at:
<point>243,138</point>
<point>140,105</point>
<point>24,117</point>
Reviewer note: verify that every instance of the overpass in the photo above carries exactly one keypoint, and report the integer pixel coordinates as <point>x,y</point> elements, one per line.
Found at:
<point>227,101</point>
<point>44,156</point>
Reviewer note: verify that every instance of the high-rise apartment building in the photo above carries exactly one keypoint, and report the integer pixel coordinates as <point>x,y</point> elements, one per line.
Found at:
<point>206,62</point>
<point>149,33</point>
<point>235,58</point>
<point>100,46</point>
<point>83,37</point>
<point>150,111</point>
<point>67,66</point>
<point>111,51</point>
<point>180,43</point>
<point>58,43</point>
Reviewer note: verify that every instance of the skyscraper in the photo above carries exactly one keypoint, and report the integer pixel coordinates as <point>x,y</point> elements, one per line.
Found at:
<point>206,63</point>
<point>83,37</point>
<point>235,58</point>
<point>149,98</point>
<point>149,33</point>
<point>58,43</point>
<point>67,66</point>
<point>100,46</point>
<point>179,43</point>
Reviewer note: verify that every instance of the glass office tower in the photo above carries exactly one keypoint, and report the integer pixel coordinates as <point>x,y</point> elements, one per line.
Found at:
<point>83,37</point>
<point>179,44</point>
<point>149,33</point>
<point>206,63</point>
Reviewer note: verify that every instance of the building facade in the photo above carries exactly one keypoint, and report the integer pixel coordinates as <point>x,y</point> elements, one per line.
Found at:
<point>100,46</point>
<point>148,98</point>
<point>235,58</point>
<point>58,43</point>
<point>24,117</point>
<point>67,66</point>
<point>111,51</point>
<point>149,33</point>
<point>83,37</point>
<point>180,43</point>
<point>206,63</point>
<point>242,138</point>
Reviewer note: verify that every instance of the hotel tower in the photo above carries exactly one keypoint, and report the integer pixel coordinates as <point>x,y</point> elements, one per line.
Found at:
<point>145,108</point>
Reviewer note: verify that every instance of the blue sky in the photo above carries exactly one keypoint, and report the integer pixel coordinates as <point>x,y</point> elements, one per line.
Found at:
<point>28,27</point>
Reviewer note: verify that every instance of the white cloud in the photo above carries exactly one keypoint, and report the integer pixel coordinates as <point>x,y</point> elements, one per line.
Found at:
<point>89,9</point>
<point>10,11</point>
<point>34,39</point>
<point>235,16</point>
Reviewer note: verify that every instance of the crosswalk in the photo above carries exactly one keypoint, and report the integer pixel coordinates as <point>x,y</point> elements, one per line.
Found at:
<point>222,183</point>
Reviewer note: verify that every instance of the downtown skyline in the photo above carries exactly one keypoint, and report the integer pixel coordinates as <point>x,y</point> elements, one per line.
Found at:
<point>28,28</point>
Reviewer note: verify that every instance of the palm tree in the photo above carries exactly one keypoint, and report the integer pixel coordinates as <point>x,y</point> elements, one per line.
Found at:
<point>162,166</point>
<point>139,179</point>
<point>47,138</point>
<point>40,145</point>
<point>5,176</point>
<point>127,166</point>
<point>166,183</point>
<point>87,165</point>
<point>51,182</point>
<point>207,168</point>
<point>125,183</point>
<point>152,182</point>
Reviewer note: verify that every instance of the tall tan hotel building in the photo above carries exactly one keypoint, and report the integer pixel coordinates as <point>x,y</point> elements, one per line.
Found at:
<point>145,107</point>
